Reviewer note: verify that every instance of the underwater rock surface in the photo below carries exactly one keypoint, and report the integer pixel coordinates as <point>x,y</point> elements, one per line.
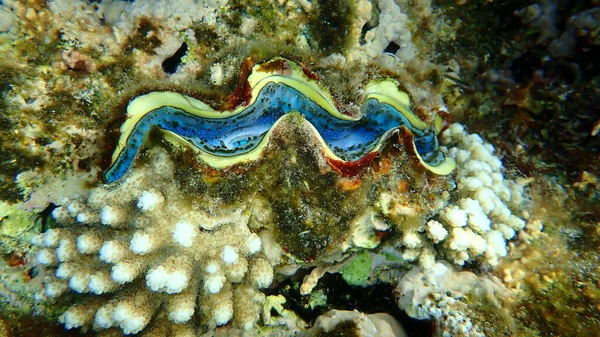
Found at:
<point>310,168</point>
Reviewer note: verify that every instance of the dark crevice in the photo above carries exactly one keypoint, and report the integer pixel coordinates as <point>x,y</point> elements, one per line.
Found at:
<point>391,48</point>
<point>171,64</point>
<point>372,23</point>
<point>377,298</point>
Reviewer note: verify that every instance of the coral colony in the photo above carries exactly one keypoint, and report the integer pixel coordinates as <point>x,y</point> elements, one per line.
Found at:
<point>208,169</point>
<point>157,254</point>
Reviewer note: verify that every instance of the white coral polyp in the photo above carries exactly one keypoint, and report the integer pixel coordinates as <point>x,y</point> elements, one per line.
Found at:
<point>212,267</point>
<point>455,216</point>
<point>253,243</point>
<point>436,231</point>
<point>181,315</point>
<point>111,252</point>
<point>46,256</point>
<point>496,242</point>
<point>177,282</point>
<point>72,318</point>
<point>84,217</point>
<point>103,318</point>
<point>88,243</point>
<point>149,201</point>
<point>223,313</point>
<point>184,233</point>
<point>133,325</point>
<point>65,270</point>
<point>66,251</point>
<point>411,240</point>
<point>157,278</point>
<point>214,283</point>
<point>140,243</point>
<point>75,207</point>
<point>109,216</point>
<point>129,319</point>
<point>54,289</point>
<point>52,237</point>
<point>101,282</point>
<point>261,273</point>
<point>79,282</point>
<point>461,239</point>
<point>229,255</point>
<point>123,273</point>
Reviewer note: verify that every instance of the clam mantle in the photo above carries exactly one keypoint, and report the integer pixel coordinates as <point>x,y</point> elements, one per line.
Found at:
<point>276,89</point>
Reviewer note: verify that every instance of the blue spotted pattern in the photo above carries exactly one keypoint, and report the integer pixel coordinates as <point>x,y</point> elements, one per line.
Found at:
<point>238,134</point>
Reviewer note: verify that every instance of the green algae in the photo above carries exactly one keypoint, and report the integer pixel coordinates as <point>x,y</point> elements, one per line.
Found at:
<point>14,221</point>
<point>567,305</point>
<point>17,227</point>
<point>207,39</point>
<point>37,54</point>
<point>144,37</point>
<point>271,19</point>
<point>562,298</point>
<point>469,44</point>
<point>546,103</point>
<point>271,34</point>
<point>345,83</point>
<point>317,299</point>
<point>13,160</point>
<point>494,317</point>
<point>36,326</point>
<point>330,25</point>
<point>358,271</point>
<point>22,315</point>
<point>227,186</point>
<point>9,77</point>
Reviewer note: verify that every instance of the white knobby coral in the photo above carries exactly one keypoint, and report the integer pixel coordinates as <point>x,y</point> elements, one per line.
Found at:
<point>136,235</point>
<point>482,220</point>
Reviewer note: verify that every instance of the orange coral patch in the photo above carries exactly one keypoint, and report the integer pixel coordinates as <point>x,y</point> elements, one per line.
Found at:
<point>349,184</point>
<point>352,168</point>
<point>403,187</point>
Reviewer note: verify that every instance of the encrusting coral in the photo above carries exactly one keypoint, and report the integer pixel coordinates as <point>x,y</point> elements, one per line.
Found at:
<point>484,218</point>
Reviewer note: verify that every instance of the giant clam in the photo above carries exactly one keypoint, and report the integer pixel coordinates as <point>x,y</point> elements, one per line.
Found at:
<point>225,138</point>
